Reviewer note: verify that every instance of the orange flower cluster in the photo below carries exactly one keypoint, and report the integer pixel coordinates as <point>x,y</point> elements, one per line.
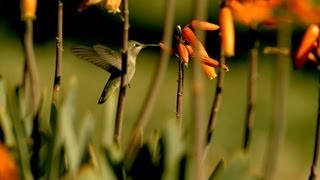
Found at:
<point>251,12</point>
<point>304,10</point>
<point>309,48</point>
<point>187,42</point>
<point>111,5</point>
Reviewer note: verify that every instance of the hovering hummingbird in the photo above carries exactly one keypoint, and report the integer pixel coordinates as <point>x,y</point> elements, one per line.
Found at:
<point>110,61</point>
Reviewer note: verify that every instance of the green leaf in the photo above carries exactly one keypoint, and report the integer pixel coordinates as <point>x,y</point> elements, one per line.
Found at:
<point>5,120</point>
<point>25,114</point>
<point>3,95</point>
<point>21,137</point>
<point>238,168</point>
<point>54,150</point>
<point>86,172</point>
<point>74,141</point>
<point>66,130</point>
<point>173,150</point>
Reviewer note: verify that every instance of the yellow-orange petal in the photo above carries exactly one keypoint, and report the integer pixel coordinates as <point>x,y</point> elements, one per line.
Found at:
<point>194,42</point>
<point>309,38</point>
<point>204,25</point>
<point>183,53</point>
<point>28,9</point>
<point>209,71</point>
<point>113,6</point>
<point>227,31</point>
<point>190,50</point>
<point>8,166</point>
<point>312,57</point>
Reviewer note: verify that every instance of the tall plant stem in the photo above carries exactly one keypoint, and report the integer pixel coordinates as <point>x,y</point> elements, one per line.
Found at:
<point>153,92</point>
<point>59,51</point>
<point>316,148</point>
<point>252,88</point>
<point>120,107</point>
<point>197,99</point>
<point>31,66</point>
<point>217,99</point>
<point>281,78</point>
<point>179,105</point>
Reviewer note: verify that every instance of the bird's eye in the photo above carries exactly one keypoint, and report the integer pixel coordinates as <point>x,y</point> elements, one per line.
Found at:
<point>136,45</point>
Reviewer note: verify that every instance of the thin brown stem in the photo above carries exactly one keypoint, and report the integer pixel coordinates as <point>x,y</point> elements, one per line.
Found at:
<point>217,99</point>
<point>316,148</point>
<point>179,105</point>
<point>155,86</point>
<point>31,65</point>
<point>252,88</point>
<point>120,107</point>
<point>59,51</point>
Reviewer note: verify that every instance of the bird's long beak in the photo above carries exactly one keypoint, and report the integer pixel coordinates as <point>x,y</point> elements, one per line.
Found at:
<point>149,45</point>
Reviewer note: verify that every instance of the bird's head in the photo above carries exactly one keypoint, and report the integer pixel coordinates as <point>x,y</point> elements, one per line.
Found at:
<point>134,47</point>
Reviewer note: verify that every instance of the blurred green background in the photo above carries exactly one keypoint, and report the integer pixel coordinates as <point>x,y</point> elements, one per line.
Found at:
<point>94,26</point>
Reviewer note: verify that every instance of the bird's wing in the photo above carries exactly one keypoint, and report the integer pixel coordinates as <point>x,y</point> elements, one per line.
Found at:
<point>89,54</point>
<point>109,55</point>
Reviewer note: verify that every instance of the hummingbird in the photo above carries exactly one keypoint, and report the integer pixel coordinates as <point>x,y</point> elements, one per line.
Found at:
<point>110,60</point>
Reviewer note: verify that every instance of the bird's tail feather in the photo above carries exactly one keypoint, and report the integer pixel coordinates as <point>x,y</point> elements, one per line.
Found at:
<point>106,93</point>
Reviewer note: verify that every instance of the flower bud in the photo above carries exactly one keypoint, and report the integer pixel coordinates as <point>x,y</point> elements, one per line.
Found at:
<point>227,31</point>
<point>28,9</point>
<point>183,53</point>
<point>203,25</point>
<point>307,44</point>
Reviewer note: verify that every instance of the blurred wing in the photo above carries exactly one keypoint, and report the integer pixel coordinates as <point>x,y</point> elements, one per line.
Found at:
<point>109,55</point>
<point>90,55</point>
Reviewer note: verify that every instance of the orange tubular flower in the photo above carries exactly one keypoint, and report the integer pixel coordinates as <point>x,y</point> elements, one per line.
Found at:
<point>86,3</point>
<point>251,12</point>
<point>183,53</point>
<point>28,9</point>
<point>204,25</point>
<point>8,167</point>
<point>113,6</point>
<point>195,43</point>
<point>206,60</point>
<point>227,31</point>
<point>308,43</point>
<point>211,62</point>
